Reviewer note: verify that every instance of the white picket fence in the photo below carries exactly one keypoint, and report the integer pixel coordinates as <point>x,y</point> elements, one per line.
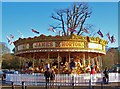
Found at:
<point>60,79</point>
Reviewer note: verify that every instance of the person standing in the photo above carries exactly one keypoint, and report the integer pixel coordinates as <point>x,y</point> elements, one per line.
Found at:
<point>92,75</point>
<point>92,70</point>
<point>47,76</point>
<point>52,77</point>
<point>106,75</point>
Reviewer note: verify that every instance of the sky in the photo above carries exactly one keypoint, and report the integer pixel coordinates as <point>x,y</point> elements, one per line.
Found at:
<point>24,16</point>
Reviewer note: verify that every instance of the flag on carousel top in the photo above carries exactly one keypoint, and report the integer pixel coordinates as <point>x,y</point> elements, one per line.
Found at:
<point>9,40</point>
<point>60,32</point>
<point>71,30</point>
<point>113,39</point>
<point>20,33</point>
<point>108,35</point>
<point>86,31</point>
<point>51,29</point>
<point>12,36</point>
<point>100,33</point>
<point>35,31</point>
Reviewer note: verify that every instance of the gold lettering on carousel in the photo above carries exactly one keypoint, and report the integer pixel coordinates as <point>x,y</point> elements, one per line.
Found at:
<point>23,46</point>
<point>43,44</point>
<point>95,46</point>
<point>68,44</point>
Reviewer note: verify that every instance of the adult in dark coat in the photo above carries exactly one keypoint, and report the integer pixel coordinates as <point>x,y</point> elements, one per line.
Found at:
<point>47,75</point>
<point>106,75</point>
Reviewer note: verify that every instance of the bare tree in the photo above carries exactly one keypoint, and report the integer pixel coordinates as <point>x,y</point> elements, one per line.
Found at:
<point>73,18</point>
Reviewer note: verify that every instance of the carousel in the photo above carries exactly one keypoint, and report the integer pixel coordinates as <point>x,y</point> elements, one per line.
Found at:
<point>63,54</point>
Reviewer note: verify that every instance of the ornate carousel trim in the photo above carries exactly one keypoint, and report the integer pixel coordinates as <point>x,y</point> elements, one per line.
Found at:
<point>71,43</point>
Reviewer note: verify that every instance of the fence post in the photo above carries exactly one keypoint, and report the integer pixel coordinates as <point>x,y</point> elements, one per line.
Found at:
<point>90,86</point>
<point>23,85</point>
<point>58,86</point>
<point>101,85</point>
<point>73,81</point>
<point>12,85</point>
<point>46,84</point>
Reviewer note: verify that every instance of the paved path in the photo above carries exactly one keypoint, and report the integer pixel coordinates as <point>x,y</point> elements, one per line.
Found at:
<point>98,86</point>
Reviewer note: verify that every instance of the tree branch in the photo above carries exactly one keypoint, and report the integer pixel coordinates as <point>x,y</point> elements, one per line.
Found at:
<point>82,24</point>
<point>57,18</point>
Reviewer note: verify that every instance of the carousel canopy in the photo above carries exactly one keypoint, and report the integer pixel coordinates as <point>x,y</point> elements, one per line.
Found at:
<point>73,43</point>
